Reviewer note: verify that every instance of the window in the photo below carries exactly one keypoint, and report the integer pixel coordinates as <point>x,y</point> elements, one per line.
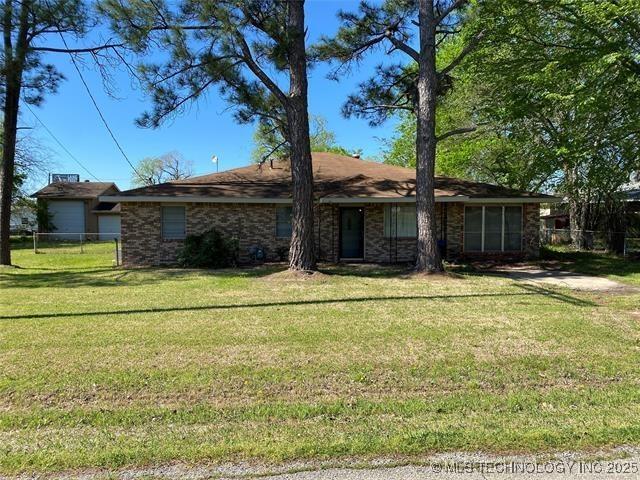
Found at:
<point>173,223</point>
<point>283,222</point>
<point>473,229</point>
<point>512,228</point>
<point>493,228</point>
<point>400,221</point>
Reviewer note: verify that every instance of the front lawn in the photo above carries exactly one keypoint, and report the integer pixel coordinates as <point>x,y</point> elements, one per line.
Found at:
<point>102,367</point>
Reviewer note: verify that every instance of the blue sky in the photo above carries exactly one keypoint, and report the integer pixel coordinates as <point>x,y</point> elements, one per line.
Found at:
<point>205,129</point>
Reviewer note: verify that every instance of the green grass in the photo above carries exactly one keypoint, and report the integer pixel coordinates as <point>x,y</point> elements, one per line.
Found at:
<point>102,367</point>
<point>622,269</point>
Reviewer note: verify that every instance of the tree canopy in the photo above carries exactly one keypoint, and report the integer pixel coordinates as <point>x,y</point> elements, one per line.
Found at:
<point>267,141</point>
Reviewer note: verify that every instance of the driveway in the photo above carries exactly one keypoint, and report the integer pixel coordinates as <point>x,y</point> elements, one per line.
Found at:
<point>561,278</point>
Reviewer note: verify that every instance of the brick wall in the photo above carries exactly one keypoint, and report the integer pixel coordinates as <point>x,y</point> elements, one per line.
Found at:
<point>255,224</point>
<point>250,224</point>
<point>531,230</point>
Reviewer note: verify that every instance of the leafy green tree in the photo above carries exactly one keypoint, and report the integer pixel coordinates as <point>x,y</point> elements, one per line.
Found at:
<point>417,28</point>
<point>269,143</point>
<point>486,153</point>
<point>246,49</point>
<point>165,168</point>
<point>30,29</point>
<point>564,80</point>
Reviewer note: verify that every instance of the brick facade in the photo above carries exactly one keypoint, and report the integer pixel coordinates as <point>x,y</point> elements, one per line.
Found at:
<point>255,224</point>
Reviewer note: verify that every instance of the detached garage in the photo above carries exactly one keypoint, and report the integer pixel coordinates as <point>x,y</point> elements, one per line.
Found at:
<point>68,216</point>
<point>108,220</point>
<point>75,210</point>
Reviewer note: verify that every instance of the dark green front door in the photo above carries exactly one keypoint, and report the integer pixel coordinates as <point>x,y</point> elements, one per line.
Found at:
<point>352,233</point>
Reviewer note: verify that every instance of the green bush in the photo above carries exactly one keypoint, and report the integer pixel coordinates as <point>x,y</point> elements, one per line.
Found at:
<point>45,219</point>
<point>208,250</point>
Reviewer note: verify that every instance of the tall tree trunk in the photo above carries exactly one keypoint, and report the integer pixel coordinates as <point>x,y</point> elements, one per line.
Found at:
<point>13,67</point>
<point>10,125</point>
<point>428,257</point>
<point>579,222</point>
<point>302,251</point>
<point>575,224</point>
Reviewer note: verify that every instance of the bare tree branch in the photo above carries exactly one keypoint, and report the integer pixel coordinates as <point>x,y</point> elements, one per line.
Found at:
<point>79,50</point>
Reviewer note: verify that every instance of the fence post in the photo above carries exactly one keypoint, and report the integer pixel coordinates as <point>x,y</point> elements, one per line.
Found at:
<point>35,247</point>
<point>115,239</point>
<point>81,249</point>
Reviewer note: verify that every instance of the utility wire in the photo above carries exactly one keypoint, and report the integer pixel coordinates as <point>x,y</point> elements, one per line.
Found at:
<point>95,104</point>
<point>73,157</point>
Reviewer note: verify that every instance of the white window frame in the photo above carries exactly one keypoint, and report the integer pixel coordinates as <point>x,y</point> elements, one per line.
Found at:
<point>162,233</point>
<point>502,232</point>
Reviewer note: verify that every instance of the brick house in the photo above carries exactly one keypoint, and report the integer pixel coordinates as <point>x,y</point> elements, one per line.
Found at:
<point>364,211</point>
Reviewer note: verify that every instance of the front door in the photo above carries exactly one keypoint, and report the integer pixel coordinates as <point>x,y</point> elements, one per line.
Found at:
<point>352,233</point>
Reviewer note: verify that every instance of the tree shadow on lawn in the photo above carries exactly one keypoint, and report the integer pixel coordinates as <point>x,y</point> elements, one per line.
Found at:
<point>36,277</point>
<point>528,290</point>
<point>47,277</point>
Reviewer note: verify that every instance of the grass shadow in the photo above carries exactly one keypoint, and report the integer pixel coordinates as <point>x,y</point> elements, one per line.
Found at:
<point>529,290</point>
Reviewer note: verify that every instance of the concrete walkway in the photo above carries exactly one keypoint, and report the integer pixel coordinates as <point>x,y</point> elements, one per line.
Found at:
<point>562,278</point>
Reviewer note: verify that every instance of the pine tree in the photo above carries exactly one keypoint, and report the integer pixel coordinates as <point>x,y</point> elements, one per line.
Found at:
<point>246,49</point>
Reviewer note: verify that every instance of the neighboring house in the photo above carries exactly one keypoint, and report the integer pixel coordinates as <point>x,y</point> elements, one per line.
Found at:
<point>364,211</point>
<point>23,218</point>
<point>75,209</point>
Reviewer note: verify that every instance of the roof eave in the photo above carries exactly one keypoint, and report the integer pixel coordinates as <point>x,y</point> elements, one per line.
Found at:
<point>324,200</point>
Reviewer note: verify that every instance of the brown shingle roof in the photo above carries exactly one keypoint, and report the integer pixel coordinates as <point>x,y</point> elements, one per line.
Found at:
<point>75,190</point>
<point>335,176</point>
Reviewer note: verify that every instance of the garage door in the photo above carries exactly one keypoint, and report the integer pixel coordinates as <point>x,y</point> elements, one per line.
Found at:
<point>67,217</point>
<point>108,227</point>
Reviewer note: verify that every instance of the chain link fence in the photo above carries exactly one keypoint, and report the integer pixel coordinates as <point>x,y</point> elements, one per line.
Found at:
<point>76,244</point>
<point>593,239</point>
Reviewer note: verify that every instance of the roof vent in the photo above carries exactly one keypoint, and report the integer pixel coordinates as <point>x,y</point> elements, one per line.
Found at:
<point>356,155</point>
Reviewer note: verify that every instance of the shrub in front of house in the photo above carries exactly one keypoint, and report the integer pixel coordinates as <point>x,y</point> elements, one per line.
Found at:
<point>208,250</point>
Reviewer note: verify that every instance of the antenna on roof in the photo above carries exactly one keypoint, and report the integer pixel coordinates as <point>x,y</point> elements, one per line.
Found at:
<point>214,159</point>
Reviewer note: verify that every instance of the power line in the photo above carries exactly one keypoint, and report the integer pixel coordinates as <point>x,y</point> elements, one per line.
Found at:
<point>95,104</point>
<point>60,143</point>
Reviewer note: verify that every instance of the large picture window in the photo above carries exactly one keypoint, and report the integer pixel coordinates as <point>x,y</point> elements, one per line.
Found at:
<point>400,221</point>
<point>283,222</point>
<point>173,223</point>
<point>493,228</point>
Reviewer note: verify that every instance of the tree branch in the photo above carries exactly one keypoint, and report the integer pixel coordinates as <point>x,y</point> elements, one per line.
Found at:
<point>258,72</point>
<point>273,150</point>
<point>457,131</point>
<point>469,47</point>
<point>447,11</point>
<point>400,45</point>
<point>78,50</point>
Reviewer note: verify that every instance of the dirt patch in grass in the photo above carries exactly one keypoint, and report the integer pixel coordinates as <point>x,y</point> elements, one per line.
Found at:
<point>296,276</point>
